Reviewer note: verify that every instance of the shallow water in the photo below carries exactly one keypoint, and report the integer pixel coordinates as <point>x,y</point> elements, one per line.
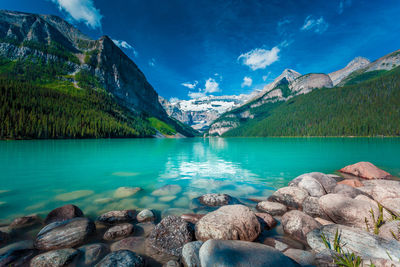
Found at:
<point>39,175</point>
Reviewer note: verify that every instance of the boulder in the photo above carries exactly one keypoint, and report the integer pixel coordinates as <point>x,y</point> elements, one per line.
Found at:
<point>144,228</point>
<point>4,237</point>
<point>311,207</point>
<point>55,258</point>
<point>282,243</point>
<point>192,217</point>
<point>74,195</point>
<point>387,216</point>
<point>216,200</point>
<point>234,222</point>
<point>64,234</point>
<point>290,196</point>
<point>302,257</point>
<point>387,193</point>
<point>277,244</point>
<point>92,254</point>
<point>145,216</point>
<point>241,253</point>
<point>297,224</point>
<point>118,231</point>
<point>390,230</point>
<point>170,235</point>
<point>351,182</point>
<point>133,243</point>
<point>365,170</point>
<point>312,186</point>
<point>347,191</point>
<point>17,254</point>
<point>327,181</point>
<point>117,216</point>
<point>362,243</point>
<point>273,208</point>
<point>266,221</point>
<point>25,221</point>
<point>63,213</point>
<point>123,192</point>
<point>122,258</point>
<point>167,190</point>
<point>323,221</point>
<point>190,254</point>
<point>347,211</point>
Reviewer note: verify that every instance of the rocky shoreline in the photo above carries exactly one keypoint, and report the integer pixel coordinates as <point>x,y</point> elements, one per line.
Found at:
<point>317,220</point>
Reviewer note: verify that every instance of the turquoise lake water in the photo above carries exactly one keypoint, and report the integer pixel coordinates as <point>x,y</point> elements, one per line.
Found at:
<point>36,175</point>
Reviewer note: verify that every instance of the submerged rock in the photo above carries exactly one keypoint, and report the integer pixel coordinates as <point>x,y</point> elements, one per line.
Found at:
<point>145,216</point>
<point>133,243</point>
<point>241,253</point>
<point>122,258</point>
<point>64,234</point>
<point>63,213</point>
<point>117,216</point>
<point>25,221</point>
<point>123,192</point>
<point>234,222</point>
<point>192,217</point>
<point>167,190</point>
<point>273,208</point>
<point>290,196</point>
<point>118,231</point>
<point>55,258</point>
<point>297,224</point>
<point>74,195</point>
<point>216,200</point>
<point>170,235</point>
<point>4,237</point>
<point>93,253</point>
<point>365,170</point>
<point>266,220</point>
<point>190,254</point>
<point>17,254</point>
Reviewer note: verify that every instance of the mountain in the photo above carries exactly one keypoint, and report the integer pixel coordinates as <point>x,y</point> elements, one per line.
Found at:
<point>200,112</point>
<point>62,57</point>
<point>364,100</point>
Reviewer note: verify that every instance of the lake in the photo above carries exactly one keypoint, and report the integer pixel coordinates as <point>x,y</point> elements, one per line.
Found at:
<point>39,175</point>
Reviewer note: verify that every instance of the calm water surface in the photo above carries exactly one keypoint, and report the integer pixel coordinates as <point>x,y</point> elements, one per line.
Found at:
<point>36,175</point>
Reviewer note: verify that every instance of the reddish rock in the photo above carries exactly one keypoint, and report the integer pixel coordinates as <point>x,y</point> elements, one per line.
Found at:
<point>266,220</point>
<point>119,231</point>
<point>365,170</point>
<point>63,213</point>
<point>351,182</point>
<point>192,217</point>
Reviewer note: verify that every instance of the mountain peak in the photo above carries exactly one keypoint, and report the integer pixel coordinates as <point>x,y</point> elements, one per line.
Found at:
<point>354,65</point>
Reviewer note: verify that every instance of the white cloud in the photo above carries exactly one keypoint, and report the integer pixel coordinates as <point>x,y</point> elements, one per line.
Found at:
<point>152,62</point>
<point>124,44</point>
<point>260,58</point>
<point>81,11</point>
<point>343,4</point>
<point>247,81</point>
<point>196,94</point>
<point>317,25</point>
<point>211,86</point>
<point>190,85</point>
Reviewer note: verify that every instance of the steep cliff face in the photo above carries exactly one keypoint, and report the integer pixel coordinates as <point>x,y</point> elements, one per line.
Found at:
<point>354,65</point>
<point>306,83</point>
<point>387,62</point>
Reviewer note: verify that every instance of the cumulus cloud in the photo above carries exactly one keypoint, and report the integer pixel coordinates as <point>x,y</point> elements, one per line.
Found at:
<point>313,24</point>
<point>196,94</point>
<point>247,81</point>
<point>260,58</point>
<point>124,44</point>
<point>152,62</point>
<point>211,86</point>
<point>190,85</point>
<point>343,4</point>
<point>81,11</point>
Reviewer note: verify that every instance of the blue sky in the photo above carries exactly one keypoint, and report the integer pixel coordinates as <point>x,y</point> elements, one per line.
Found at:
<point>190,48</point>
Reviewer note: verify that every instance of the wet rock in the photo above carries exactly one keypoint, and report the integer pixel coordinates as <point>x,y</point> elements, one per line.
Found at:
<point>167,198</point>
<point>122,258</point>
<point>118,231</point>
<point>266,220</point>
<point>63,213</point>
<point>170,235</point>
<point>144,228</point>
<point>347,191</point>
<point>74,195</point>
<point>55,258</point>
<point>365,170</point>
<point>273,208</point>
<point>282,243</point>
<point>123,192</point>
<point>327,181</point>
<point>133,243</point>
<point>4,237</point>
<point>216,200</point>
<point>17,254</point>
<point>297,224</point>
<point>272,242</point>
<point>234,222</point>
<point>104,200</point>
<point>64,234</point>
<point>241,253</point>
<point>25,221</point>
<point>167,190</point>
<point>172,263</point>
<point>351,182</point>
<point>362,243</point>
<point>117,216</point>
<point>192,217</point>
<point>174,212</point>
<point>302,257</point>
<point>145,216</point>
<point>290,196</point>
<point>93,253</point>
<point>311,207</point>
<point>390,230</point>
<point>347,211</point>
<point>190,254</point>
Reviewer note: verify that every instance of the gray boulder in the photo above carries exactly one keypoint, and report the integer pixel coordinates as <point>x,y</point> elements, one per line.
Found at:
<point>312,186</point>
<point>231,253</point>
<point>388,195</point>
<point>390,230</point>
<point>55,258</point>
<point>122,258</point>
<point>290,196</point>
<point>346,190</point>
<point>118,231</point>
<point>311,207</point>
<point>145,216</point>
<point>93,253</point>
<point>190,254</point>
<point>217,200</point>
<point>17,254</point>
<point>117,216</point>
<point>302,257</point>
<point>273,208</point>
<point>297,224</point>
<point>327,182</point>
